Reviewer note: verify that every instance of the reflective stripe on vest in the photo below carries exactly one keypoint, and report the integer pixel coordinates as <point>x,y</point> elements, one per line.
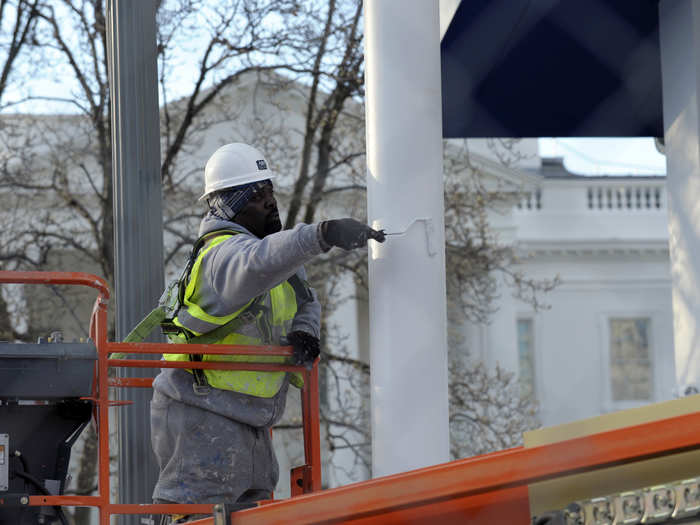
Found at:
<point>267,328</point>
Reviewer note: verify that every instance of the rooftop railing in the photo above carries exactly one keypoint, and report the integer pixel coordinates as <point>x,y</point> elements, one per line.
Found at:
<point>598,196</point>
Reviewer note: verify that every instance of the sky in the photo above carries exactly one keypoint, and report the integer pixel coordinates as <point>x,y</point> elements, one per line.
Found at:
<point>606,156</point>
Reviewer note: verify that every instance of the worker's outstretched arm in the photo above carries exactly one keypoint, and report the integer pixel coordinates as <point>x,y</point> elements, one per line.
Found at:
<point>244,266</point>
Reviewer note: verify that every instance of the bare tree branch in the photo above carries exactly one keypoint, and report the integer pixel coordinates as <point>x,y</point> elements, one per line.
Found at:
<point>25,14</point>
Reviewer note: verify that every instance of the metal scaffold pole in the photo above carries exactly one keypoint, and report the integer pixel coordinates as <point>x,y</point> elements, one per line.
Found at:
<point>138,231</point>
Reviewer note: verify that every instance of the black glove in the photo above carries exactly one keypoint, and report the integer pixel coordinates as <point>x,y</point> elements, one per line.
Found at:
<point>306,348</point>
<point>349,233</point>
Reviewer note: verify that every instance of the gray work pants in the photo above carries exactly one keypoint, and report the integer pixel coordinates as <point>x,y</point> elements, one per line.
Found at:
<point>207,458</point>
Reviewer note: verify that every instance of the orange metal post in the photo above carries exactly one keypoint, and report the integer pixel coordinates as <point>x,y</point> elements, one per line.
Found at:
<point>100,334</point>
<point>310,418</point>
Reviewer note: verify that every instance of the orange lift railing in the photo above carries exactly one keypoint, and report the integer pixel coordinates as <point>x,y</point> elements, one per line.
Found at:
<point>483,490</point>
<point>304,479</point>
<point>488,489</point>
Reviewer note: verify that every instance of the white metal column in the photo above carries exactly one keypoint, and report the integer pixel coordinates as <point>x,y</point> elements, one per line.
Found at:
<point>679,30</point>
<point>408,340</point>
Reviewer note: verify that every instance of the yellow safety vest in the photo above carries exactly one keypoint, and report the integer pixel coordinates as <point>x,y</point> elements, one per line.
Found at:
<point>280,307</point>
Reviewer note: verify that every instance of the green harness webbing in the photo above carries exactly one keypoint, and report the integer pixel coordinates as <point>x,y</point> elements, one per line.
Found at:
<point>142,330</point>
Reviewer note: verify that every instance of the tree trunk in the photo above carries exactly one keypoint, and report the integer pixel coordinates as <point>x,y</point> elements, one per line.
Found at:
<point>322,169</point>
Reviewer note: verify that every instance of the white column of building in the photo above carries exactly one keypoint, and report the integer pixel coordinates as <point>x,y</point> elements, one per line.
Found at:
<point>502,337</point>
<point>408,341</point>
<point>501,331</point>
<point>679,28</point>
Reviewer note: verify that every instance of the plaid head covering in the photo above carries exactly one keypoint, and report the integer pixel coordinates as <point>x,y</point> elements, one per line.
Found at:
<point>226,204</point>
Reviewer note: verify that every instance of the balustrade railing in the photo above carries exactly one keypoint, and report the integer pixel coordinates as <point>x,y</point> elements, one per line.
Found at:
<point>626,198</point>
<point>531,200</point>
<point>600,197</point>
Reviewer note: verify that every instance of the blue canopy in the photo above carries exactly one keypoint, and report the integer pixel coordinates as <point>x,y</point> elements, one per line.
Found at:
<point>546,68</point>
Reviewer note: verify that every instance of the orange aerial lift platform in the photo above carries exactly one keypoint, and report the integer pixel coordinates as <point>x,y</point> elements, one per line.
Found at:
<point>488,489</point>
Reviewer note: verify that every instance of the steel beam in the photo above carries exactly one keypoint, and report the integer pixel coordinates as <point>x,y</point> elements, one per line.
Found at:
<point>138,233</point>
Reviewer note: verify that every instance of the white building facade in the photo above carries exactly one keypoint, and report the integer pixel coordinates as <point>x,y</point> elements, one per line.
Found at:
<point>605,342</point>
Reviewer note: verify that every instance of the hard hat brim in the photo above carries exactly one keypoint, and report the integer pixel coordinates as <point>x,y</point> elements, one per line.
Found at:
<point>253,176</point>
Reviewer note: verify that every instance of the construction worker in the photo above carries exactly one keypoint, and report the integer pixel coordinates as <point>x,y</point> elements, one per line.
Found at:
<point>244,284</point>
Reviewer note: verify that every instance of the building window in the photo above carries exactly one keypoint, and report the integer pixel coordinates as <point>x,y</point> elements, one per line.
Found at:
<point>630,359</point>
<point>526,353</point>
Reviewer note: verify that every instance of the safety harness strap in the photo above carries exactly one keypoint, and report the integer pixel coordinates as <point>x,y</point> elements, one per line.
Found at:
<point>301,289</point>
<point>147,324</point>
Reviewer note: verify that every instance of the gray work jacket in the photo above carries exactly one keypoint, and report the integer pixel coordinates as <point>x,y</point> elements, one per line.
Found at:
<point>239,269</point>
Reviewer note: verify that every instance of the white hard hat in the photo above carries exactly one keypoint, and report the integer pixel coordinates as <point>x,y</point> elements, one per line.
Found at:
<point>232,165</point>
